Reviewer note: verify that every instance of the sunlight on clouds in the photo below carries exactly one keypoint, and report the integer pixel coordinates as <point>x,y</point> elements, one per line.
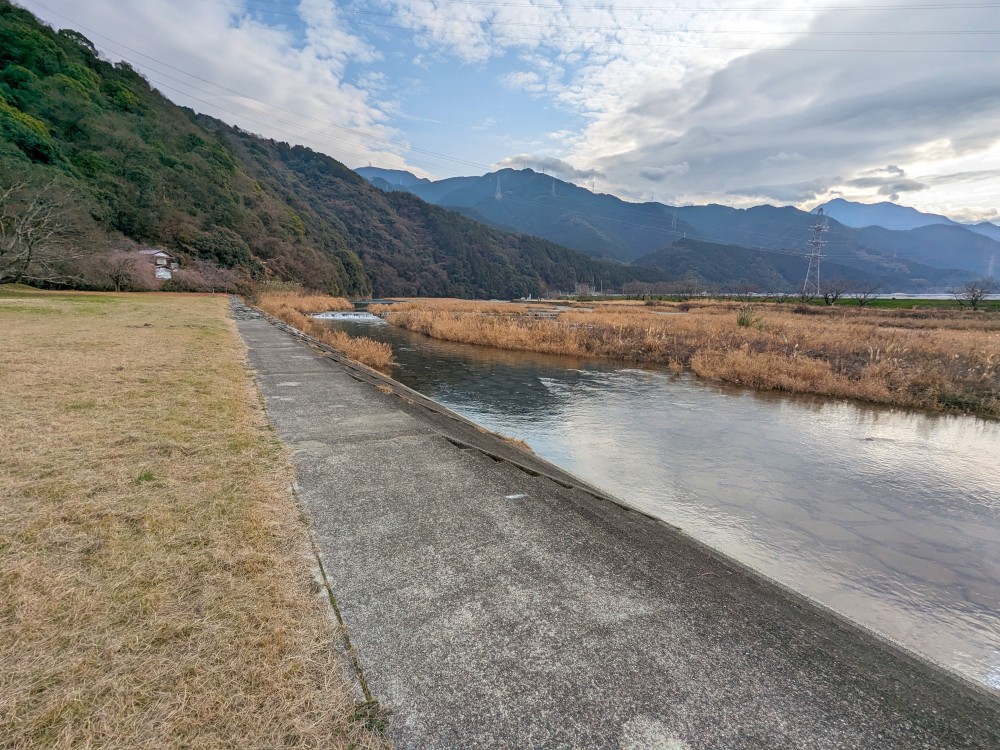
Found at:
<point>753,126</point>
<point>691,102</point>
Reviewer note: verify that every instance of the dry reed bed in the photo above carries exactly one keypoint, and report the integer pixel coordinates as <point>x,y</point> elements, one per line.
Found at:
<point>876,356</point>
<point>294,309</point>
<point>155,574</point>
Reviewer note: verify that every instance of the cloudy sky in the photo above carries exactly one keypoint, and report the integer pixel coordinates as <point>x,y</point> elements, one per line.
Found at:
<point>739,102</point>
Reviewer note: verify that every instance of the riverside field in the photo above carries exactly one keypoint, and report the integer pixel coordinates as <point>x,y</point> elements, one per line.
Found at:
<point>157,585</point>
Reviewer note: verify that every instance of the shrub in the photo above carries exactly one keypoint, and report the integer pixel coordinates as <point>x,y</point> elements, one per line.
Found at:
<point>746,317</point>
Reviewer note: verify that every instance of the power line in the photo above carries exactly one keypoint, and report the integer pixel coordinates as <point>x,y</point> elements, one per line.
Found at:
<point>615,43</point>
<point>816,243</point>
<point>492,23</point>
<point>244,95</point>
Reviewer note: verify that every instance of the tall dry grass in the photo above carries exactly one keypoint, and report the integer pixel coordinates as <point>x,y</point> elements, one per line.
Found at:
<point>155,574</point>
<point>294,309</point>
<point>304,303</point>
<point>944,360</point>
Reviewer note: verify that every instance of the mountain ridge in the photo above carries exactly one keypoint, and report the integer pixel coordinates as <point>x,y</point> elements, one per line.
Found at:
<point>896,217</point>
<point>606,226</point>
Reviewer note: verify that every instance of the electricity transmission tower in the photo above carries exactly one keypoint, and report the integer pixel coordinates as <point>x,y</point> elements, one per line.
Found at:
<point>499,194</point>
<point>816,243</point>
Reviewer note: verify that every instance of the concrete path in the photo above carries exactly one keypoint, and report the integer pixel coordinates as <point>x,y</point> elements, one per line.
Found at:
<point>496,602</point>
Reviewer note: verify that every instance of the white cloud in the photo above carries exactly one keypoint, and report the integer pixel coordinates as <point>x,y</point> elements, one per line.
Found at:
<point>525,80</point>
<point>485,124</point>
<point>658,174</point>
<point>549,165</point>
<point>695,102</point>
<point>752,125</point>
<point>292,84</point>
<point>781,158</point>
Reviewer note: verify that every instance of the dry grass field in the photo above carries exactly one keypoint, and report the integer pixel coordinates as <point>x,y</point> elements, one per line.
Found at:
<point>156,579</point>
<point>938,360</point>
<point>295,308</point>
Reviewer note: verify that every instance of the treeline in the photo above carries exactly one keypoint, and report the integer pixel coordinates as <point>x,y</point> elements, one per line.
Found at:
<point>116,162</point>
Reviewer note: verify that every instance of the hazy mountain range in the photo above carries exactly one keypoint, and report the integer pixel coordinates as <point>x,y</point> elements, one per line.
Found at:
<point>892,216</point>
<point>918,251</point>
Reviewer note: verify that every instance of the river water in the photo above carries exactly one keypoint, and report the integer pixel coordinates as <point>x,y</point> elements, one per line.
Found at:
<point>891,517</point>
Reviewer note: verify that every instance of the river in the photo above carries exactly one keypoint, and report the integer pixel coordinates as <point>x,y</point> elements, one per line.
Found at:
<point>888,516</point>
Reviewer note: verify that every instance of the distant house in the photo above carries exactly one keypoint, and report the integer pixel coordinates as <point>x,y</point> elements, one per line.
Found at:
<point>165,262</point>
<point>585,290</point>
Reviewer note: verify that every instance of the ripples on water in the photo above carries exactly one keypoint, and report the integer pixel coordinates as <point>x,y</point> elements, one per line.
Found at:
<point>891,517</point>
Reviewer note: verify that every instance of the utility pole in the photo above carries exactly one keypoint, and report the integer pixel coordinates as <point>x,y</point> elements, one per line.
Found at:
<point>816,243</point>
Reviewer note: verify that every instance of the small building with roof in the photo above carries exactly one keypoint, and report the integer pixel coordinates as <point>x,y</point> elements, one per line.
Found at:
<point>165,263</point>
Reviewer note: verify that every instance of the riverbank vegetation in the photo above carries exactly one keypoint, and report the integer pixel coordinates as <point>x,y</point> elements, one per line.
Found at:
<point>931,359</point>
<point>155,572</point>
<point>295,308</point>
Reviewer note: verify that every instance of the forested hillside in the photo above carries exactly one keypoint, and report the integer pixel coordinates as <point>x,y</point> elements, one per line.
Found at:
<point>96,144</point>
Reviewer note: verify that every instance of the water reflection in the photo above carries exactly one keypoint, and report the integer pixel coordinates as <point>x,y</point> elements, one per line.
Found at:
<point>891,517</point>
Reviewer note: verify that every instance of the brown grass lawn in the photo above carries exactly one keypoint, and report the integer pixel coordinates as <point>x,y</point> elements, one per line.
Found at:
<point>156,583</point>
<point>940,360</point>
<point>294,308</point>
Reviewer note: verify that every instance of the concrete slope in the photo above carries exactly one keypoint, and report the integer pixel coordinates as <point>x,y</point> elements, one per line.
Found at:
<point>498,603</point>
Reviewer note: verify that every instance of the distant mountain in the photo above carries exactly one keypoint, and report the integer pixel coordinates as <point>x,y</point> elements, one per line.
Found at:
<point>987,229</point>
<point>599,225</point>
<point>936,245</point>
<point>893,216</point>
<point>605,226</point>
<point>732,266</point>
<point>886,215</point>
<point>394,177</point>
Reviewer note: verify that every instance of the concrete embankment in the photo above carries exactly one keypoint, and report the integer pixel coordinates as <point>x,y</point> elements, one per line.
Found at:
<point>497,602</point>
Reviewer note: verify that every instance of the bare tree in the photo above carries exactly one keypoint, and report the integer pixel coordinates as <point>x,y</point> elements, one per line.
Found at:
<point>745,292</point>
<point>637,289</point>
<point>219,279</point>
<point>868,291</point>
<point>40,234</point>
<point>203,276</point>
<point>126,271</point>
<point>834,289</point>
<point>974,292</point>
